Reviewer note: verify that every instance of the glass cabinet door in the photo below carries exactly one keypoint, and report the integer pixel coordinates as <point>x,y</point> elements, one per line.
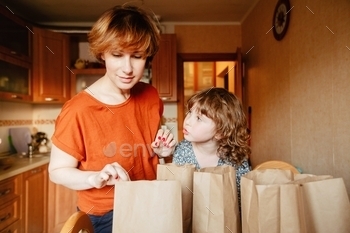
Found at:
<point>15,36</point>
<point>15,79</point>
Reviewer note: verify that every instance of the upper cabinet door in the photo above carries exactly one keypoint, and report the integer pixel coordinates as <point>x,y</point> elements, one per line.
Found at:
<point>164,68</point>
<point>50,67</point>
<point>15,36</point>
<point>15,57</point>
<point>15,79</point>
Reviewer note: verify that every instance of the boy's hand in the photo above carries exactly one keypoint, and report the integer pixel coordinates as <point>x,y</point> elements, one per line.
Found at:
<point>164,143</point>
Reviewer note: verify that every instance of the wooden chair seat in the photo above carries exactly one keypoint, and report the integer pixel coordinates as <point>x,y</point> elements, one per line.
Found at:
<point>79,222</point>
<point>275,164</point>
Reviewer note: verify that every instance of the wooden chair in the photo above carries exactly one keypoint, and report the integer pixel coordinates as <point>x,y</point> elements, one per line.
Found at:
<point>79,222</point>
<point>278,165</point>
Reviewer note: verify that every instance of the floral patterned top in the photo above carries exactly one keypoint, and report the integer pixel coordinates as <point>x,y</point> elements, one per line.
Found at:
<point>184,154</point>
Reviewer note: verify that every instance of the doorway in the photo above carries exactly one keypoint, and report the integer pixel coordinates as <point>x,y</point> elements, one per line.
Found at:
<point>220,78</point>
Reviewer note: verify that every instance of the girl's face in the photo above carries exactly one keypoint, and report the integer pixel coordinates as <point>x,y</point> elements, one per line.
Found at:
<point>124,68</point>
<point>198,127</point>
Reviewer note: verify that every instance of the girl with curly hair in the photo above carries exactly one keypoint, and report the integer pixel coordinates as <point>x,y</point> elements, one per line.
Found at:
<point>215,133</point>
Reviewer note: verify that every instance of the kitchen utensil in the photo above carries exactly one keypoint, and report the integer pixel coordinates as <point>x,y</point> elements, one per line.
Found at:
<point>20,138</point>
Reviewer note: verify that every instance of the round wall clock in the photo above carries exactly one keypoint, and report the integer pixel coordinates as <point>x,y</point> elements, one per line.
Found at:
<point>281,17</point>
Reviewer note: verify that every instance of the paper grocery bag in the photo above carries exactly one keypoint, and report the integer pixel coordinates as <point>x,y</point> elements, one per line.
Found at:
<point>184,174</point>
<point>275,200</point>
<point>269,204</point>
<point>147,207</point>
<point>326,204</point>
<point>215,201</point>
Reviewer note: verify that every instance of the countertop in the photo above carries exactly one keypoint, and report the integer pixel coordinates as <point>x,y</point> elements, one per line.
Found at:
<point>22,165</point>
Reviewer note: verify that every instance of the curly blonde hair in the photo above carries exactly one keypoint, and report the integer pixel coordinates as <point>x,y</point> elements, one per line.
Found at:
<point>226,110</point>
<point>124,27</point>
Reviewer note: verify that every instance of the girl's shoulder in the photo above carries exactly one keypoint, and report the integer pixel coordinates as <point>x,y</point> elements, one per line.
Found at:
<point>184,144</point>
<point>184,154</point>
<point>183,148</point>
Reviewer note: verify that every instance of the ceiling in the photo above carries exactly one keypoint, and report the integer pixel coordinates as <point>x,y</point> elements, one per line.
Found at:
<point>82,13</point>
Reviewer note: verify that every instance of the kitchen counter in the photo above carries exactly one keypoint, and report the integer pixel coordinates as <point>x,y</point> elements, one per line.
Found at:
<point>22,165</point>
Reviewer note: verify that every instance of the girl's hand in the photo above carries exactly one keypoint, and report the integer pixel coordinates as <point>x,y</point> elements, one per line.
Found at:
<point>109,175</point>
<point>164,143</point>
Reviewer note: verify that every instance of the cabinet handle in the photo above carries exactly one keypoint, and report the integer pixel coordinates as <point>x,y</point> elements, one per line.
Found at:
<point>5,192</point>
<point>49,99</point>
<point>165,98</point>
<point>16,97</point>
<point>35,170</point>
<point>4,218</point>
<point>13,52</point>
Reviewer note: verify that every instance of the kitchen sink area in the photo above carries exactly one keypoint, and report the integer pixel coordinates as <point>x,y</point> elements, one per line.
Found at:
<point>27,151</point>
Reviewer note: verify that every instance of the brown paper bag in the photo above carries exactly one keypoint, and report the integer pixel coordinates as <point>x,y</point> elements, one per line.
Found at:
<point>275,201</point>
<point>184,174</point>
<point>147,207</point>
<point>269,206</point>
<point>215,201</point>
<point>326,204</point>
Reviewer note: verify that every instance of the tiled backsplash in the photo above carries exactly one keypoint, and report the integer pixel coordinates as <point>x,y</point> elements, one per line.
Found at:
<point>12,114</point>
<point>15,122</point>
<point>27,122</point>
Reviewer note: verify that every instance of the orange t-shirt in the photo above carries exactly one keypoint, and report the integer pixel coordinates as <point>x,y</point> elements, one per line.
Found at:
<point>97,134</point>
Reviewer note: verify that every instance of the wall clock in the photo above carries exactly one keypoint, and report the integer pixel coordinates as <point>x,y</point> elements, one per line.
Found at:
<point>281,17</point>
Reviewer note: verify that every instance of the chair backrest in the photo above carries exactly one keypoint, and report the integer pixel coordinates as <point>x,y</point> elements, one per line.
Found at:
<point>276,164</point>
<point>79,222</point>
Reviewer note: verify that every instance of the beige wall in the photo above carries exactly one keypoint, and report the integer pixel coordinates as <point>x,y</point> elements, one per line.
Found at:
<point>208,38</point>
<point>299,88</point>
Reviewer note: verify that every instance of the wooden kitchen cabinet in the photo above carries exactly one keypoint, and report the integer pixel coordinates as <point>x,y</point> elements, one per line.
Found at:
<point>164,68</point>
<point>35,200</point>
<point>50,66</point>
<point>16,36</point>
<point>15,57</point>
<point>15,79</point>
<point>10,204</point>
<point>13,228</point>
<point>62,203</point>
